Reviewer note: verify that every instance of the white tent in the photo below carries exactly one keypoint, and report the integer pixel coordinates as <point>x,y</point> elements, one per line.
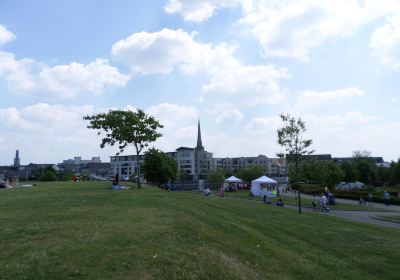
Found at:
<point>233,179</point>
<point>264,186</point>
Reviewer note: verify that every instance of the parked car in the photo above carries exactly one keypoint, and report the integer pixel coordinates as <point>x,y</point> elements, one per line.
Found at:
<point>350,185</point>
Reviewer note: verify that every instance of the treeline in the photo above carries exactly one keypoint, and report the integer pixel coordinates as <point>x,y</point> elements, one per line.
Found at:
<point>247,174</point>
<point>49,174</point>
<point>360,169</point>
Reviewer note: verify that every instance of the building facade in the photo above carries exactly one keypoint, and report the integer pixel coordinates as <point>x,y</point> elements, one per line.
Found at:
<point>273,167</point>
<point>196,162</point>
<point>92,166</point>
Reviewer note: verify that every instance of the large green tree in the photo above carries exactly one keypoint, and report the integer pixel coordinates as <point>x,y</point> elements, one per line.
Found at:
<point>158,167</point>
<point>250,173</point>
<point>126,128</point>
<point>323,172</point>
<point>290,137</point>
<point>365,166</point>
<point>48,176</point>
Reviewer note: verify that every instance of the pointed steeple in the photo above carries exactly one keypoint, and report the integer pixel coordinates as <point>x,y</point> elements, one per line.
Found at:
<point>199,143</point>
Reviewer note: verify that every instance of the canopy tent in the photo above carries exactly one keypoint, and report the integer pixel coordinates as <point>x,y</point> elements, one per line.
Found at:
<point>264,186</point>
<point>233,179</point>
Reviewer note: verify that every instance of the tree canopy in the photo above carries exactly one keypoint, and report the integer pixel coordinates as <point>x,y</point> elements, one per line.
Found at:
<point>126,128</point>
<point>158,167</point>
<point>250,173</point>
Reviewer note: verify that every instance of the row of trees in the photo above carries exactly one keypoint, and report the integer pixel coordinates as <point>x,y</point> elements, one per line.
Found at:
<point>247,174</point>
<point>361,169</point>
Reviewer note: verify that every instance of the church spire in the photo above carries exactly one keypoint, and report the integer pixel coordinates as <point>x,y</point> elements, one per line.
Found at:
<point>199,143</point>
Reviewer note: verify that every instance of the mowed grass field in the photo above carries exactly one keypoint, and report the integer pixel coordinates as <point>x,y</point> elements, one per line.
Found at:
<point>86,231</point>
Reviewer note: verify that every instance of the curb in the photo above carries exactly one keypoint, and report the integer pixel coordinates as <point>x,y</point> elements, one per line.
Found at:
<point>385,220</point>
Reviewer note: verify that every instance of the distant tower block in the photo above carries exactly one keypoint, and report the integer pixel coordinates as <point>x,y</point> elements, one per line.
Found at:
<point>17,161</point>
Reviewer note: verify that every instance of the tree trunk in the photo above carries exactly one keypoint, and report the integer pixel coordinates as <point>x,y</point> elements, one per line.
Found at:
<point>138,168</point>
<point>297,182</point>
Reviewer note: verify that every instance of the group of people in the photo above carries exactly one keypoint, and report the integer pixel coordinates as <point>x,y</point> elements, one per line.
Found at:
<point>279,202</point>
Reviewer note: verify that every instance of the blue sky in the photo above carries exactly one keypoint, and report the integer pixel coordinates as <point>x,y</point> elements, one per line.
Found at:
<point>237,64</point>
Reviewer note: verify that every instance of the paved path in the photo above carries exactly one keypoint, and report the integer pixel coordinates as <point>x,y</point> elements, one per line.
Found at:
<point>359,216</point>
<point>351,201</point>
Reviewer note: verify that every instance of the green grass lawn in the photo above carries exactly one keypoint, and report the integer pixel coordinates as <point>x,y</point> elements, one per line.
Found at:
<point>306,202</point>
<point>86,231</point>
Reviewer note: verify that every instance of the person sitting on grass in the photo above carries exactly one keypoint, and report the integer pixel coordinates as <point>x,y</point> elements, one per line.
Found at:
<point>207,192</point>
<point>280,202</point>
<point>119,187</point>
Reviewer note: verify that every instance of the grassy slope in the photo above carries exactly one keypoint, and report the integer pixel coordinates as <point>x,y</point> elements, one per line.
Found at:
<point>86,231</point>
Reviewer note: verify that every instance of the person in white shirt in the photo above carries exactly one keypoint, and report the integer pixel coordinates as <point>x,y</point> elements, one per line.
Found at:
<point>323,202</point>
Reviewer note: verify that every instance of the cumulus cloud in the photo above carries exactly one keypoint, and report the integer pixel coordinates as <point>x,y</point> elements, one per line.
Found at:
<point>292,28</point>
<point>173,115</point>
<point>45,132</point>
<point>385,42</point>
<point>74,78</point>
<point>263,125</point>
<point>311,98</point>
<point>17,73</point>
<point>5,35</point>
<point>28,76</point>
<point>229,116</point>
<point>246,85</point>
<point>230,81</point>
<point>60,131</point>
<point>161,52</point>
<point>199,10</point>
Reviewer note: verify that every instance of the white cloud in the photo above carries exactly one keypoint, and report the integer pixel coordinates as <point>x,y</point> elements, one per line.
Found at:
<point>161,52</point>
<point>199,10</point>
<point>49,133</point>
<point>315,98</point>
<point>264,125</point>
<point>173,115</point>
<point>29,76</point>
<point>230,81</point>
<point>385,42</point>
<point>291,28</point>
<point>17,73</point>
<point>5,35</point>
<point>74,78</point>
<point>229,116</point>
<point>245,85</point>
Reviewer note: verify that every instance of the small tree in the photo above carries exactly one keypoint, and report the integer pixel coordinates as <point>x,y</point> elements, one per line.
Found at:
<point>158,167</point>
<point>217,176</point>
<point>126,128</point>
<point>290,137</point>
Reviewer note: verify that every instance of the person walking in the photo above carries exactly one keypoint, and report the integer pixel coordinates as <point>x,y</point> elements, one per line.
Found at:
<point>370,198</point>
<point>386,198</point>
<point>323,202</point>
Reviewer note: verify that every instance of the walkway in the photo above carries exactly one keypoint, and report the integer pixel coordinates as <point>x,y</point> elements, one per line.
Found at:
<point>358,216</point>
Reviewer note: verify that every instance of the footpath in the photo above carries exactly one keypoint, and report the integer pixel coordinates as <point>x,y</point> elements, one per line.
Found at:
<point>369,217</point>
